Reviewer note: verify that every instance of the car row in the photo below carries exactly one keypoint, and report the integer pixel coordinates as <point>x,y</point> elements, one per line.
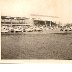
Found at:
<point>66,29</point>
<point>19,29</point>
<point>5,29</point>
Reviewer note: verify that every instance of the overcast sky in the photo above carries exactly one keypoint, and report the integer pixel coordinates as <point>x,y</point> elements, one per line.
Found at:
<point>61,8</point>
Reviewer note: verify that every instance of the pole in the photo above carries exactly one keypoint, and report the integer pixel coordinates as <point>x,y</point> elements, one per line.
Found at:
<point>50,23</point>
<point>11,22</point>
<point>45,24</point>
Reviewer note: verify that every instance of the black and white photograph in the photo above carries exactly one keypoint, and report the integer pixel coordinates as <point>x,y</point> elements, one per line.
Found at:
<point>36,29</point>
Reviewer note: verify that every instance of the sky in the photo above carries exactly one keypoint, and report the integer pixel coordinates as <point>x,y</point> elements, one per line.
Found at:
<point>60,8</point>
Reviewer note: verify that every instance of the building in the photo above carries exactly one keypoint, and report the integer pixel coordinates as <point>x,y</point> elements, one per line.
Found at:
<point>15,21</point>
<point>40,20</point>
<point>34,20</point>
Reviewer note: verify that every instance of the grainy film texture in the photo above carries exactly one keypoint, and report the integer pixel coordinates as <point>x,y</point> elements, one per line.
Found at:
<point>36,29</point>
